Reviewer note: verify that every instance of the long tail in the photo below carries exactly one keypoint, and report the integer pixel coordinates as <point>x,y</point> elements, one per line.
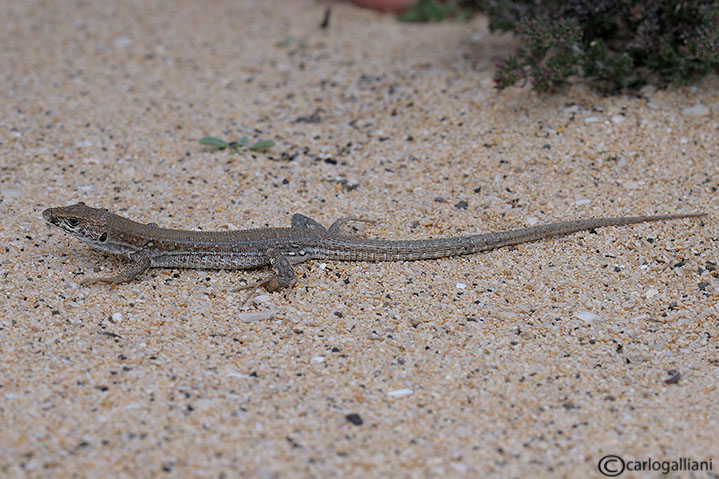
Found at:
<point>534,233</point>
<point>360,249</point>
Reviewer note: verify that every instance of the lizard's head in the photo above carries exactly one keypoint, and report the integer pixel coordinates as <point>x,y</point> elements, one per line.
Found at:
<point>88,224</point>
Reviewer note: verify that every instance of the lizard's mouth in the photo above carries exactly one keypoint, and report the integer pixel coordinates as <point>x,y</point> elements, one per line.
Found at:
<point>50,217</point>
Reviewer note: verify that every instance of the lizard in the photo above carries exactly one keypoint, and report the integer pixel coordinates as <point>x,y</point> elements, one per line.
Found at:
<point>149,245</point>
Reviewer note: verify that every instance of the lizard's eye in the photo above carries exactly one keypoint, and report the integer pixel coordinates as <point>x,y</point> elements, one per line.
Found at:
<point>103,237</point>
<point>72,222</point>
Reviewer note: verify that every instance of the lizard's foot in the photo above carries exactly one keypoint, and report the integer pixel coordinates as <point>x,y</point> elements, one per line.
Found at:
<point>271,283</point>
<point>253,287</point>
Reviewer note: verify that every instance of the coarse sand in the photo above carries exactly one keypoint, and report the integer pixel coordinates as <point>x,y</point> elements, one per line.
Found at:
<point>531,361</point>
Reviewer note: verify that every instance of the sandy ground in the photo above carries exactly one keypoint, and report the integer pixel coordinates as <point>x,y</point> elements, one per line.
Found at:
<point>534,361</point>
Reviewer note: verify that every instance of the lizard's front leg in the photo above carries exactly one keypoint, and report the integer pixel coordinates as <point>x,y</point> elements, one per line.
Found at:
<point>132,271</point>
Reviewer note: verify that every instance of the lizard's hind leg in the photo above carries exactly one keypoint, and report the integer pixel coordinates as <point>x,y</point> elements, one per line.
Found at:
<point>282,277</point>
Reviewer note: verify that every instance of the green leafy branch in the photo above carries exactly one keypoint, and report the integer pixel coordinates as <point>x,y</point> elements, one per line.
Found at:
<point>234,146</point>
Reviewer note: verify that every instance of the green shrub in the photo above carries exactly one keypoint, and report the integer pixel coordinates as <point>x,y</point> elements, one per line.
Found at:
<point>619,44</point>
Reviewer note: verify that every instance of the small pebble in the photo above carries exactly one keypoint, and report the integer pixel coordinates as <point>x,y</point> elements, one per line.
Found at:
<point>122,42</point>
<point>317,359</point>
<point>354,419</point>
<point>696,110</point>
<point>9,192</point>
<point>633,185</point>
<point>254,317</point>
<point>117,317</point>
<point>587,316</point>
<point>461,286</point>
<point>398,393</point>
<point>674,376</point>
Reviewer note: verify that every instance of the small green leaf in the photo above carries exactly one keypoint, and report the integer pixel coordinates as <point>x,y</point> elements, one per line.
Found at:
<point>216,142</point>
<point>242,142</point>
<point>262,145</point>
